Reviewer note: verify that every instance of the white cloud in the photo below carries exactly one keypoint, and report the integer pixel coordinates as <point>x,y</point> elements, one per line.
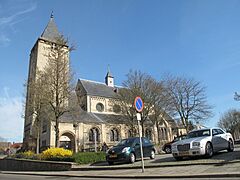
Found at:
<point>11,121</point>
<point>12,18</point>
<point>7,23</point>
<point>4,40</point>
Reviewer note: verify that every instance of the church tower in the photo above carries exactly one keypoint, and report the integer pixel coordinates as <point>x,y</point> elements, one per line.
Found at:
<point>109,79</point>
<point>38,61</point>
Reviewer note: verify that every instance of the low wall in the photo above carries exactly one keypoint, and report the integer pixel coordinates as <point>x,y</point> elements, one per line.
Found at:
<point>33,165</point>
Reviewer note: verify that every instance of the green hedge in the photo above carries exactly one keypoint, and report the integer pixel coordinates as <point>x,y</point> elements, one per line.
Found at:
<point>26,155</point>
<point>89,157</point>
<point>80,157</point>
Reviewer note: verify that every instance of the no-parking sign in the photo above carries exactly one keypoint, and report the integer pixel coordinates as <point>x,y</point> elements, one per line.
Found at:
<point>138,103</point>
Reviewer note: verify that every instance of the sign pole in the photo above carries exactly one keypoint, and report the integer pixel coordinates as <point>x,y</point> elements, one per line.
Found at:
<point>140,139</point>
<point>138,103</point>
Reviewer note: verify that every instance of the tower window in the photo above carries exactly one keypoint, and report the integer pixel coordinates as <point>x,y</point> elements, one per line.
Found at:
<point>44,127</point>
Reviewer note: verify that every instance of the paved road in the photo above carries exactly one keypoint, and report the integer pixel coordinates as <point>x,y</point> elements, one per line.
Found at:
<point>167,160</point>
<point>31,177</point>
<point>230,170</point>
<point>222,165</point>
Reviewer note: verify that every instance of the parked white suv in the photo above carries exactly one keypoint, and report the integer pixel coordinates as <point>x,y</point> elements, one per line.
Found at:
<point>203,142</point>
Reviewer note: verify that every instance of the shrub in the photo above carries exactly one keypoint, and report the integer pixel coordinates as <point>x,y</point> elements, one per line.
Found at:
<point>88,157</point>
<point>57,154</point>
<point>27,155</point>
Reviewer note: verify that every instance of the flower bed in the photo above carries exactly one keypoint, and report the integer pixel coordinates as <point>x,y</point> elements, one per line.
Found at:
<point>60,154</point>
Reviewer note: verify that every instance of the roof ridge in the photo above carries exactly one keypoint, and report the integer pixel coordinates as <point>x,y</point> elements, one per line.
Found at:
<point>96,116</point>
<point>97,82</point>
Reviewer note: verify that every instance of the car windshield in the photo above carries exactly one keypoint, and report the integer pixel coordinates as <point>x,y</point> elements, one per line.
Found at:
<point>179,138</point>
<point>126,142</point>
<point>199,133</point>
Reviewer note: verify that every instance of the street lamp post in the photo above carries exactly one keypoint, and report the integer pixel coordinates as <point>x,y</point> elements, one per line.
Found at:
<point>75,125</point>
<point>95,140</point>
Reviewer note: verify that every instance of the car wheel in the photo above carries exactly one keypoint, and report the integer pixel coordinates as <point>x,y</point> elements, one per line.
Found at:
<point>230,146</point>
<point>132,158</point>
<point>168,150</point>
<point>152,156</point>
<point>178,158</point>
<point>110,162</point>
<point>209,150</point>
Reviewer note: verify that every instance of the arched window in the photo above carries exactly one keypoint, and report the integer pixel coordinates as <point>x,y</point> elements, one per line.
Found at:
<point>164,134</point>
<point>131,133</point>
<point>114,135</point>
<point>148,134</point>
<point>94,134</point>
<point>161,134</point>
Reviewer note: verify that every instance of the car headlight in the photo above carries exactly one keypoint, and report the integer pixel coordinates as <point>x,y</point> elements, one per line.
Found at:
<point>173,146</point>
<point>196,144</point>
<point>126,150</point>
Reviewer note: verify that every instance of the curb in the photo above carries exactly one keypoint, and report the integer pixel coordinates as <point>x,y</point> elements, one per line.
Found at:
<point>148,166</point>
<point>233,175</point>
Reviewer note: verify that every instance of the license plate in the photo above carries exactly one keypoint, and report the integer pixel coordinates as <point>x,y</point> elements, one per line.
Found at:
<point>113,156</point>
<point>184,153</point>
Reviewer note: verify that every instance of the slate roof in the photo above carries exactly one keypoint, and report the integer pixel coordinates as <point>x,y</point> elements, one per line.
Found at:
<point>170,120</point>
<point>112,118</point>
<point>88,117</point>
<point>98,89</point>
<point>51,32</point>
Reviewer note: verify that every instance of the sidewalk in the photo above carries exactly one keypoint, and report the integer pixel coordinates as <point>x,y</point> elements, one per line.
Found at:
<point>196,171</point>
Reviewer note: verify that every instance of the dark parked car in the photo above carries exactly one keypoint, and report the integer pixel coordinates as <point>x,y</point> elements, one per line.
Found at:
<point>167,147</point>
<point>128,150</point>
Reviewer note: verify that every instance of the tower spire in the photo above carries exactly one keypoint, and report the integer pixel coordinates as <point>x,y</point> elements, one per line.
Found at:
<point>109,80</point>
<point>51,32</point>
<point>51,15</point>
<point>108,68</point>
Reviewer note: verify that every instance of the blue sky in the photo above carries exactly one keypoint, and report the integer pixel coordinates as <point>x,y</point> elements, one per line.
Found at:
<point>198,39</point>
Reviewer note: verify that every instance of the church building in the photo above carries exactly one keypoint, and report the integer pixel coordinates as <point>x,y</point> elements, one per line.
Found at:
<point>98,118</point>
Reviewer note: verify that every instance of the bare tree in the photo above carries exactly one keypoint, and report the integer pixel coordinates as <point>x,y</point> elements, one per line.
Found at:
<point>127,103</point>
<point>230,121</point>
<point>161,109</point>
<point>37,105</point>
<point>58,79</point>
<point>137,84</point>
<point>188,100</point>
<point>236,96</point>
